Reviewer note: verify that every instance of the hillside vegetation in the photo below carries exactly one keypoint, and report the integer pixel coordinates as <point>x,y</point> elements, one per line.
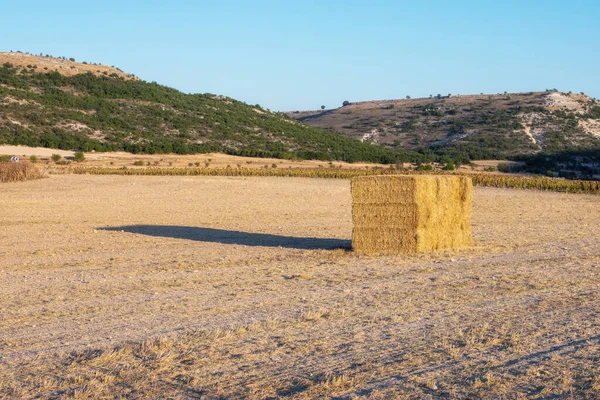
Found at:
<point>483,125</point>
<point>108,112</point>
<point>560,126</point>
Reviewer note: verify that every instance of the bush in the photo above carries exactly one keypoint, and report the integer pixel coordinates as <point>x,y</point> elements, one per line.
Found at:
<point>4,158</point>
<point>79,156</point>
<point>56,157</point>
<point>425,167</point>
<point>138,163</point>
<point>33,159</point>
<point>567,174</point>
<point>504,167</point>
<point>507,168</point>
<point>449,167</point>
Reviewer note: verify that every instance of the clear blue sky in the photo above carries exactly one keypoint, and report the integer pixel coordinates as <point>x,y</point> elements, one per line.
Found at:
<point>293,55</point>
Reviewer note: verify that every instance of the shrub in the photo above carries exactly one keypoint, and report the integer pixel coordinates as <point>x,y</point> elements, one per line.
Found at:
<point>79,156</point>
<point>56,157</point>
<point>506,167</point>
<point>4,158</point>
<point>425,167</point>
<point>33,159</point>
<point>449,167</point>
<point>138,163</point>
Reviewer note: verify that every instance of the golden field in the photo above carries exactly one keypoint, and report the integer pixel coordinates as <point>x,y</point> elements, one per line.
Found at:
<point>245,287</point>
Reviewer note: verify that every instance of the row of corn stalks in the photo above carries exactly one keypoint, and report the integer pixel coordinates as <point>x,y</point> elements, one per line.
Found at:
<point>492,180</point>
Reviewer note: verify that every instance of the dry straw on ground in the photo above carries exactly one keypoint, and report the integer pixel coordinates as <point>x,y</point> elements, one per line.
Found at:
<point>14,172</point>
<point>407,214</point>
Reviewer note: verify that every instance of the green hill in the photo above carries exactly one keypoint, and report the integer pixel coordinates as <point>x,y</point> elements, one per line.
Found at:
<point>110,112</point>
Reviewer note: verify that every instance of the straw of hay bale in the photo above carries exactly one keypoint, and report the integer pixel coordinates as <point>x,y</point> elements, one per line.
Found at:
<point>407,214</point>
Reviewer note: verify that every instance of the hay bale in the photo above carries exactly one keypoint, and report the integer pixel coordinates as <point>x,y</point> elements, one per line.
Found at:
<point>406,214</point>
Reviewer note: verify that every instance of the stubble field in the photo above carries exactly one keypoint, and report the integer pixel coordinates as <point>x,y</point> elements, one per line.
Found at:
<point>215,287</point>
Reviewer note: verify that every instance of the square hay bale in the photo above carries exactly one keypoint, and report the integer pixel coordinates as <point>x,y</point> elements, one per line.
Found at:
<point>398,214</point>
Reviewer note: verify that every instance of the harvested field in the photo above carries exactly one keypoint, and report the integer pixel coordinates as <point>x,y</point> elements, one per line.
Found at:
<point>242,287</point>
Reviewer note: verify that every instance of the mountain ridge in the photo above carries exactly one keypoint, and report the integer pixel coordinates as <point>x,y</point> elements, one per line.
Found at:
<point>509,124</point>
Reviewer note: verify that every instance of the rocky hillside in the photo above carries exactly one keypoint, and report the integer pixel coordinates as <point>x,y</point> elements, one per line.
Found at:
<point>58,103</point>
<point>62,65</point>
<point>474,127</point>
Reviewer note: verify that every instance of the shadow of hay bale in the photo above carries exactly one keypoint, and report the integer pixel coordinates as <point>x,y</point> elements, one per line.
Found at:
<point>232,237</point>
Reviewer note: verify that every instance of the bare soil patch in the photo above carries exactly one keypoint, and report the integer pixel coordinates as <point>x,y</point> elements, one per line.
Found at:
<point>184,287</point>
